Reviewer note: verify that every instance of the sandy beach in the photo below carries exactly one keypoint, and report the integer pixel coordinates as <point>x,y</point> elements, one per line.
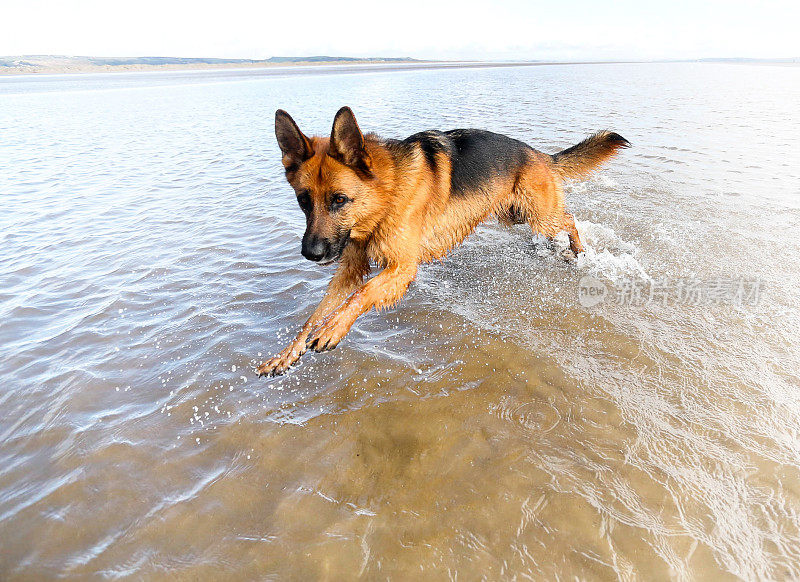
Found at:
<point>83,65</point>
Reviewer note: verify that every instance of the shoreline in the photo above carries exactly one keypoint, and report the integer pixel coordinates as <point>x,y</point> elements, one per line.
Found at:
<point>344,66</point>
<point>333,66</point>
<point>85,68</point>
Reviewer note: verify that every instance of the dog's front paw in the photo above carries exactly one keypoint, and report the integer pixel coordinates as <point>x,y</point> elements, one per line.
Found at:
<point>328,335</point>
<point>570,256</point>
<point>280,363</point>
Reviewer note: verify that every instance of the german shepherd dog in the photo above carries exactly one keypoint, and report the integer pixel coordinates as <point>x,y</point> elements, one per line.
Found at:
<point>399,203</point>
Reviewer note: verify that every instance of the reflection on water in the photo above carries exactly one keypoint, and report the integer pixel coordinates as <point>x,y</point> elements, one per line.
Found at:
<point>491,425</point>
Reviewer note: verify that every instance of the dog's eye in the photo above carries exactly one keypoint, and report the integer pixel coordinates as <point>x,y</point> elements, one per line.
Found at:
<point>304,200</point>
<point>339,200</point>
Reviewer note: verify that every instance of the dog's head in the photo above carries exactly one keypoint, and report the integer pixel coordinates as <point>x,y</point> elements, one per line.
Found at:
<point>335,183</point>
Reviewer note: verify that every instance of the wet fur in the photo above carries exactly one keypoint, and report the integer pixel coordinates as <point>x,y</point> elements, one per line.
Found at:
<point>411,201</point>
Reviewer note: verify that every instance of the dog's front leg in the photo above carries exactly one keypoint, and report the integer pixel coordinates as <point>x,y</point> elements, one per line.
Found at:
<point>353,267</point>
<point>384,290</point>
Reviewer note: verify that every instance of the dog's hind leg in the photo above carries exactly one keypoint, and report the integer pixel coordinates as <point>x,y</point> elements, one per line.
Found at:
<point>541,194</point>
<point>574,240</point>
<point>543,208</point>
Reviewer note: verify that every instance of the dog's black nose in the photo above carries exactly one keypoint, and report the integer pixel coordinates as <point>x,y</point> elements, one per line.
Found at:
<point>314,249</point>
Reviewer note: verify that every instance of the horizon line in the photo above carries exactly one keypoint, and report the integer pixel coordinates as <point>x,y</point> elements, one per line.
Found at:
<point>275,58</point>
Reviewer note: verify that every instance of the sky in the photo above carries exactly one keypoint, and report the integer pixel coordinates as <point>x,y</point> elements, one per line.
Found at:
<point>427,29</point>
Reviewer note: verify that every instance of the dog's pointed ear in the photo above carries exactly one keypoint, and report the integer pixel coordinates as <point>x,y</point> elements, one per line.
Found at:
<point>347,142</point>
<point>295,146</point>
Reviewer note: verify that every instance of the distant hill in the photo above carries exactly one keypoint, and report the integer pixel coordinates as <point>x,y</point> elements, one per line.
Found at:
<point>80,64</point>
<point>324,59</point>
<point>57,64</point>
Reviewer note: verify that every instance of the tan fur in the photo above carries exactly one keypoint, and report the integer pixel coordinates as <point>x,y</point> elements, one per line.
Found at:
<point>581,159</point>
<point>402,214</point>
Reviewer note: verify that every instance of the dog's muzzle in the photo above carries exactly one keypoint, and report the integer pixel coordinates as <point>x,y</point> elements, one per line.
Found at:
<point>321,250</point>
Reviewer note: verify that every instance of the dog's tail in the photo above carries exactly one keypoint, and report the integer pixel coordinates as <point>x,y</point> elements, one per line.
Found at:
<point>579,160</point>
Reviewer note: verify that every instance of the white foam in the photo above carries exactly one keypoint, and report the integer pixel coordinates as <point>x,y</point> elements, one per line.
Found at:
<point>604,181</point>
<point>607,254</point>
<point>596,181</point>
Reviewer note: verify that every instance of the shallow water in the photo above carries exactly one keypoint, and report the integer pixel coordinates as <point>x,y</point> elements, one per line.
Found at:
<point>491,425</point>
